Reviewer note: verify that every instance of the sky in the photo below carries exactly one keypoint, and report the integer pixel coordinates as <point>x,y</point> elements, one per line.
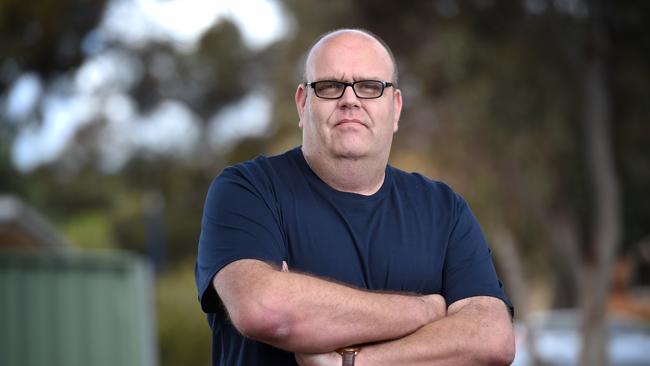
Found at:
<point>183,21</point>
<point>171,125</point>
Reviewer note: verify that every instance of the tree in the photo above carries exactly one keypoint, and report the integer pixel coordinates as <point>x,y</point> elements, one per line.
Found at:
<point>536,111</point>
<point>513,104</point>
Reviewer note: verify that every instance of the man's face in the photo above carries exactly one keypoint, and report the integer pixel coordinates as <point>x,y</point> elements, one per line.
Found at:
<point>349,127</point>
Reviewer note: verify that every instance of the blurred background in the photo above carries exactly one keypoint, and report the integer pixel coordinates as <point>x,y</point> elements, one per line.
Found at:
<point>115,115</point>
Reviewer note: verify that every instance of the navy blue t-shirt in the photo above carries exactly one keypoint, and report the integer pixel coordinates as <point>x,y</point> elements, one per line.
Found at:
<point>413,235</point>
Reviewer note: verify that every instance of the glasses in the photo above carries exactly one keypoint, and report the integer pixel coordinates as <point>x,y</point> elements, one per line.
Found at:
<point>363,89</point>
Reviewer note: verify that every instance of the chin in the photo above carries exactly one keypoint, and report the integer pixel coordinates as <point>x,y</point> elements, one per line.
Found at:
<point>351,152</point>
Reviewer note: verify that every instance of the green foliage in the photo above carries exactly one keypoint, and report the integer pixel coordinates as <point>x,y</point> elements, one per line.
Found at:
<point>183,332</point>
<point>9,179</point>
<point>90,230</point>
<point>44,36</point>
<point>492,106</point>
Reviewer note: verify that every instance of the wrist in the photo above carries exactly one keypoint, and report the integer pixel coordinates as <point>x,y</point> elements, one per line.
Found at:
<point>435,307</point>
<point>348,355</point>
<point>366,357</point>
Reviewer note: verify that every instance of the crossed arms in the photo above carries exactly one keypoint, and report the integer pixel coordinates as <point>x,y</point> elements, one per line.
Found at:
<point>312,317</point>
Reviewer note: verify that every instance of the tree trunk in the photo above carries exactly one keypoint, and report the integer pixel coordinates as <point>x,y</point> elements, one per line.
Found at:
<point>518,284</point>
<point>606,221</point>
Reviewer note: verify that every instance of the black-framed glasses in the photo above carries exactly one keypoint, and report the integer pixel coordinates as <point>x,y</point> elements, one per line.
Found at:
<point>363,89</point>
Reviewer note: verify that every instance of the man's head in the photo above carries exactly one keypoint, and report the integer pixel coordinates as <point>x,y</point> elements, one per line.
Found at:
<point>394,79</point>
<point>350,126</point>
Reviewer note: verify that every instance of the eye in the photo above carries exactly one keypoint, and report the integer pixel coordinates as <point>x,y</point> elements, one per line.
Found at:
<point>370,87</point>
<point>327,86</point>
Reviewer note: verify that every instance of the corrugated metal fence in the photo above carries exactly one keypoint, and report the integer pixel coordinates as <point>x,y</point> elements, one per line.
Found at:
<point>76,308</point>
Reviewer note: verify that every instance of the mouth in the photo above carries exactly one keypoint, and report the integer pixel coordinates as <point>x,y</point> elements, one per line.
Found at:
<point>350,122</point>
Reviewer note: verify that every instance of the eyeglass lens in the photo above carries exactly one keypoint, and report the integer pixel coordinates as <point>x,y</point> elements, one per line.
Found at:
<point>362,89</point>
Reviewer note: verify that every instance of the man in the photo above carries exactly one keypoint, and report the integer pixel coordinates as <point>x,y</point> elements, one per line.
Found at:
<point>326,255</point>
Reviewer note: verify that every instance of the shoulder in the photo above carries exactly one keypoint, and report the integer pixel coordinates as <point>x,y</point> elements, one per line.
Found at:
<point>420,187</point>
<point>257,168</point>
<point>260,177</point>
<point>260,171</point>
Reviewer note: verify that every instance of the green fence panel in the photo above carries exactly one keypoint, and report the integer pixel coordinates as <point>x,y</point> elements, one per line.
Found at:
<point>76,309</point>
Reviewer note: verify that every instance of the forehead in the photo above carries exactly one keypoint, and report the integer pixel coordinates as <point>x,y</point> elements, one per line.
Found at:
<point>350,55</point>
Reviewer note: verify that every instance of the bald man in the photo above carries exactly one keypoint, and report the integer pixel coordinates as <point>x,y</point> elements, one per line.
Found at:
<point>327,255</point>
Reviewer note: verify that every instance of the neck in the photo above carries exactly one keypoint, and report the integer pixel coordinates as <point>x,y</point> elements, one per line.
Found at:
<point>355,175</point>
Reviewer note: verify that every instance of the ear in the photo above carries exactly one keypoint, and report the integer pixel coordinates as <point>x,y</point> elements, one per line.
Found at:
<point>301,100</point>
<point>397,108</point>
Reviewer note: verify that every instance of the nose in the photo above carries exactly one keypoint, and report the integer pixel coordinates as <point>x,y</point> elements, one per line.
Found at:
<point>349,98</point>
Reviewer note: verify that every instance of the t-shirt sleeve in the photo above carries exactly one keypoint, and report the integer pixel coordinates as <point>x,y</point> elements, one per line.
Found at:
<point>240,221</point>
<point>468,269</point>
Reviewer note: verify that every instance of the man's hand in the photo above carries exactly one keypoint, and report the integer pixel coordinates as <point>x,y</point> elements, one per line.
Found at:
<point>318,359</point>
<point>476,331</point>
<point>437,306</point>
<point>321,359</point>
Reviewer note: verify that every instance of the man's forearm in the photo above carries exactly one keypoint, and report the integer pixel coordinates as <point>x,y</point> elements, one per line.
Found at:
<point>301,313</point>
<point>478,334</point>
